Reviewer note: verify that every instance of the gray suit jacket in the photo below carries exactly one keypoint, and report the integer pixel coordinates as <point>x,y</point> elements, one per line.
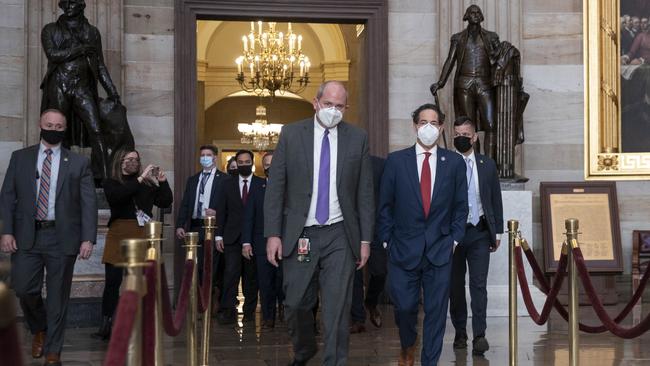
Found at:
<point>289,189</point>
<point>76,202</point>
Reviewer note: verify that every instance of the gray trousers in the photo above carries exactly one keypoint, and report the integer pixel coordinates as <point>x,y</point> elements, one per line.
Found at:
<point>331,269</point>
<point>27,280</point>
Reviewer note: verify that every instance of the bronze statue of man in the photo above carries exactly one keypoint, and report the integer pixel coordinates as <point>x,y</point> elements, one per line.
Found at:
<point>75,64</point>
<point>473,52</point>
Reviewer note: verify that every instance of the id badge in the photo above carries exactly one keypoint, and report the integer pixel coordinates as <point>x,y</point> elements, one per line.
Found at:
<point>142,217</point>
<point>303,246</point>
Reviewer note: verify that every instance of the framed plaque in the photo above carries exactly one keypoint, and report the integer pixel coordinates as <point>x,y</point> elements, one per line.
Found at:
<point>617,89</point>
<point>595,205</point>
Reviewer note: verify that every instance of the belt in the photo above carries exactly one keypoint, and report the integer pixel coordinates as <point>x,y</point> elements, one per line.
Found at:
<point>323,226</point>
<point>45,224</point>
<point>482,224</point>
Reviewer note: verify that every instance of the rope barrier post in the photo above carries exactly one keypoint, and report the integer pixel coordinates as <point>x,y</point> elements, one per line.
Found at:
<point>513,242</point>
<point>571,226</point>
<point>134,251</point>
<point>154,253</point>
<point>210,224</point>
<point>191,245</point>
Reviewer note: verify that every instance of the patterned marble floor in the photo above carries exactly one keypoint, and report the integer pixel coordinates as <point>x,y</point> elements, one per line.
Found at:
<point>247,345</point>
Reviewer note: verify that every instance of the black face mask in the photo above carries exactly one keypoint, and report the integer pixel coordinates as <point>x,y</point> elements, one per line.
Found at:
<point>245,170</point>
<point>52,137</point>
<point>267,171</point>
<point>233,172</point>
<point>462,143</point>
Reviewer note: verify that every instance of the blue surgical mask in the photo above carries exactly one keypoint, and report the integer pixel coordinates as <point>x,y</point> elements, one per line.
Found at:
<point>206,161</point>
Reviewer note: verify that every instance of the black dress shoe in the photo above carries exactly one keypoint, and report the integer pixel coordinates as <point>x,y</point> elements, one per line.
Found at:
<point>479,346</point>
<point>375,316</point>
<point>104,331</point>
<point>460,341</point>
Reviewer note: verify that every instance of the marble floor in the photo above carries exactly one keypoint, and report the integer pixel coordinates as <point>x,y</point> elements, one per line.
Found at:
<point>247,345</point>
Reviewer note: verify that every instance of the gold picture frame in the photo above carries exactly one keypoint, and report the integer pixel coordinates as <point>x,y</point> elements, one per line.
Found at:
<point>604,157</point>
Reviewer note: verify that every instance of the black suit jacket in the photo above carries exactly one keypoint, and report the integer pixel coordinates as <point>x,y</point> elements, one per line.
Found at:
<point>490,188</point>
<point>230,209</point>
<point>189,197</point>
<point>253,228</point>
<point>76,201</point>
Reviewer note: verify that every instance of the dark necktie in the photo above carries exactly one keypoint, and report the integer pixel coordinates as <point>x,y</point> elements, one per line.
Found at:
<point>43,202</point>
<point>244,192</point>
<point>199,205</point>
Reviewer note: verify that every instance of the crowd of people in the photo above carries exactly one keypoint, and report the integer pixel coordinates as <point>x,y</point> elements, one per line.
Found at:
<point>299,237</point>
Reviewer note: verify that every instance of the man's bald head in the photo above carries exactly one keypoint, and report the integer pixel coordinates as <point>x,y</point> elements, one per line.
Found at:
<point>53,119</point>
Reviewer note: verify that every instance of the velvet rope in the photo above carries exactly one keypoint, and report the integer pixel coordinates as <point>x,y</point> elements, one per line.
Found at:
<point>124,321</point>
<point>10,345</point>
<point>148,316</point>
<point>173,324</point>
<point>539,275</point>
<point>610,324</point>
<point>538,318</point>
<point>205,289</point>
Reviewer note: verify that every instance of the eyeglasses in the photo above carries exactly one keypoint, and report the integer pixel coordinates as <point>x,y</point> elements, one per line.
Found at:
<point>425,122</point>
<point>131,159</point>
<point>340,107</point>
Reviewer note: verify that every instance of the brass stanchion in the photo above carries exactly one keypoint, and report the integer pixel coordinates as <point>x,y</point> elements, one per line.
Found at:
<point>571,226</point>
<point>7,307</point>
<point>192,243</point>
<point>210,223</point>
<point>153,230</point>
<point>513,242</point>
<point>134,251</point>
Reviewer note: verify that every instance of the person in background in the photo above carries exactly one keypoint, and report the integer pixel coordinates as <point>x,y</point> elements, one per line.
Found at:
<point>482,236</point>
<point>231,167</point>
<point>131,194</point>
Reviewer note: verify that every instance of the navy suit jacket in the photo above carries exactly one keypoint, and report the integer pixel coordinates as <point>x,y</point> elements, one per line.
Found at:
<point>230,210</point>
<point>490,187</point>
<point>189,197</point>
<point>402,224</point>
<point>253,228</point>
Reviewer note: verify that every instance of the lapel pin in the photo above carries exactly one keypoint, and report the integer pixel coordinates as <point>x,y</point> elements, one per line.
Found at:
<point>443,158</point>
<point>481,161</point>
<point>65,159</point>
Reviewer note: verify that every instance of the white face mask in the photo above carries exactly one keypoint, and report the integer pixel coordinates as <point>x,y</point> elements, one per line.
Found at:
<point>428,134</point>
<point>329,117</point>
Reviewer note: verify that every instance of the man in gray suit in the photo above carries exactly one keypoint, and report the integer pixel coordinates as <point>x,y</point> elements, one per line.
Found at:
<point>319,216</point>
<point>48,211</point>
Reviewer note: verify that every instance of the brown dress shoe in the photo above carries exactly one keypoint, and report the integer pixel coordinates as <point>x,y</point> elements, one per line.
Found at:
<point>375,316</point>
<point>407,356</point>
<point>37,344</point>
<point>357,327</point>
<point>52,359</point>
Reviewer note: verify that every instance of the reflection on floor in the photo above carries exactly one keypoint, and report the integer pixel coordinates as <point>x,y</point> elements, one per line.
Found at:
<point>246,345</point>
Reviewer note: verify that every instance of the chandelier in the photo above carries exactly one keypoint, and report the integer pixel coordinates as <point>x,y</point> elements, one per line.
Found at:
<point>259,133</point>
<point>270,60</point>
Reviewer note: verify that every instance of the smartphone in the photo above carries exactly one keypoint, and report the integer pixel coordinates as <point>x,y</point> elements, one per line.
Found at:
<point>155,171</point>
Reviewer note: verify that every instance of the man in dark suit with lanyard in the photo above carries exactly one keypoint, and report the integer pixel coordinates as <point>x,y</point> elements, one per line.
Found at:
<point>202,192</point>
<point>482,236</point>
<point>48,208</point>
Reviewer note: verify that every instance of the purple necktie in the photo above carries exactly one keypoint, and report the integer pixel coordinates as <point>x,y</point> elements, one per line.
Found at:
<point>323,199</point>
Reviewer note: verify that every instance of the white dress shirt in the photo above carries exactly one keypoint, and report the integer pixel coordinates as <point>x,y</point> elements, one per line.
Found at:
<point>54,176</point>
<point>419,153</point>
<point>472,157</point>
<point>207,193</point>
<point>241,185</point>
<point>335,214</point>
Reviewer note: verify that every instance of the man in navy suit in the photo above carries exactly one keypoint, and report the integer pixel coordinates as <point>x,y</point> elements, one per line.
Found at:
<point>202,192</point>
<point>230,221</point>
<point>254,247</point>
<point>422,217</point>
<point>482,236</point>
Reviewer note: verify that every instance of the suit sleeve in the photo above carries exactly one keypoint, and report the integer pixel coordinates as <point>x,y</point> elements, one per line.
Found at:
<point>497,201</point>
<point>385,221</point>
<point>8,198</point>
<point>222,208</point>
<point>182,219</point>
<point>460,207</point>
<point>275,189</point>
<point>366,195</point>
<point>249,219</point>
<point>88,204</point>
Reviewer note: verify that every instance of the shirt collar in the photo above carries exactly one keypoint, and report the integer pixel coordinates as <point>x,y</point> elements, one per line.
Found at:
<point>420,150</point>
<point>248,179</point>
<point>471,156</point>
<point>319,130</point>
<point>210,171</point>
<point>56,150</point>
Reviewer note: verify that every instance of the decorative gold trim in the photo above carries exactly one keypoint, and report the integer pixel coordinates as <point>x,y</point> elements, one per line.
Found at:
<point>603,159</point>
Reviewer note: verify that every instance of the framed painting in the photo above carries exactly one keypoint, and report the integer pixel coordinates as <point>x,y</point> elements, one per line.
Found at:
<point>617,89</point>
<point>595,206</point>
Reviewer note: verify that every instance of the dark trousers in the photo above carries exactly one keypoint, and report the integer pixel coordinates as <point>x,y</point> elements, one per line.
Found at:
<point>472,252</point>
<point>113,280</point>
<point>236,267</point>
<point>27,280</point>
<point>270,283</point>
<point>217,260</point>
<point>331,270</point>
<point>376,268</point>
<point>405,288</point>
